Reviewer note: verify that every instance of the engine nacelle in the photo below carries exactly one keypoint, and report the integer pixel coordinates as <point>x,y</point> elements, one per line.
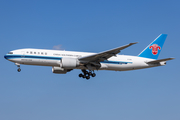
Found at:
<point>103,66</point>
<point>69,63</point>
<point>59,70</point>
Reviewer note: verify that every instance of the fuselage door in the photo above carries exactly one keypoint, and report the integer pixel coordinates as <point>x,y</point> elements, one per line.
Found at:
<point>22,54</point>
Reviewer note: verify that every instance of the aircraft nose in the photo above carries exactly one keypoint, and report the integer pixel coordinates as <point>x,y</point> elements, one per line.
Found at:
<point>5,56</point>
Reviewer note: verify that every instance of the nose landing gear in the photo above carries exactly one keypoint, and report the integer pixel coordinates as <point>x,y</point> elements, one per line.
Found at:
<point>87,74</point>
<point>19,69</point>
<point>18,65</point>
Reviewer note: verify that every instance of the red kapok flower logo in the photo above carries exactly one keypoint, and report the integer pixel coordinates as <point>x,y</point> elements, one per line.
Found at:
<point>155,48</point>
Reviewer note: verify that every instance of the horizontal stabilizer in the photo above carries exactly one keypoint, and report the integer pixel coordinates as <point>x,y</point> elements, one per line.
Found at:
<point>161,60</point>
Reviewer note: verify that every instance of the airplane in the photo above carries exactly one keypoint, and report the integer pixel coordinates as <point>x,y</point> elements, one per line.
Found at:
<point>65,61</point>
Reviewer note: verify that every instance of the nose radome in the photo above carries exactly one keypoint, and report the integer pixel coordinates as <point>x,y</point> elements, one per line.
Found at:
<point>5,56</point>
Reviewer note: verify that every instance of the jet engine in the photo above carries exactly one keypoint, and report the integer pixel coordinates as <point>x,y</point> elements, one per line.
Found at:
<point>59,70</point>
<point>69,63</point>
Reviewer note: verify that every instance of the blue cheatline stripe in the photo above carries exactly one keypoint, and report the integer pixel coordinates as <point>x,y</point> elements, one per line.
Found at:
<point>54,58</point>
<point>31,56</point>
<point>116,62</point>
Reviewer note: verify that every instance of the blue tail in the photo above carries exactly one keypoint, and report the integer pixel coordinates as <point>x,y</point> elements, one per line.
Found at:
<point>153,50</point>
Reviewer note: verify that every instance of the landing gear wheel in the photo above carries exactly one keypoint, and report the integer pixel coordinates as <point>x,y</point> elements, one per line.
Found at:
<point>81,75</point>
<point>86,72</point>
<point>90,73</point>
<point>93,75</point>
<point>19,70</point>
<point>84,76</point>
<point>87,77</point>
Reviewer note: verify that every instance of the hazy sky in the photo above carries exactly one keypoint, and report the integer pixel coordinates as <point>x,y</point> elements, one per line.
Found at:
<point>91,26</point>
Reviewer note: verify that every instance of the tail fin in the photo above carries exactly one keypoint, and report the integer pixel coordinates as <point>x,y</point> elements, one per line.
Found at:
<point>153,50</point>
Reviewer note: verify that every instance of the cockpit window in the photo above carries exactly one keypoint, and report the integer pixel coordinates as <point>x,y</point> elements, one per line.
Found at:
<point>10,53</point>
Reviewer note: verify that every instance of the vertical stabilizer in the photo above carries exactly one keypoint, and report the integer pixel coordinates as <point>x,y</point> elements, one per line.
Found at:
<point>153,50</point>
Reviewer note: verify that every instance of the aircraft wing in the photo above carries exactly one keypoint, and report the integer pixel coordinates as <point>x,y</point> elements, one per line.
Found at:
<point>99,57</point>
<point>158,61</point>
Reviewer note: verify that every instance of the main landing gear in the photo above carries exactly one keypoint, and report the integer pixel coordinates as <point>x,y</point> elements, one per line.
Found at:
<point>18,65</point>
<point>87,74</point>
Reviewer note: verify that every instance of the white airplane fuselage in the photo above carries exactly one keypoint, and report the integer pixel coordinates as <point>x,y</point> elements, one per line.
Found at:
<point>65,61</point>
<point>42,57</point>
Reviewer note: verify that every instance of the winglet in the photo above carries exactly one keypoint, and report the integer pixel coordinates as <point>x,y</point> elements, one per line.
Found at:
<point>133,43</point>
<point>125,46</point>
